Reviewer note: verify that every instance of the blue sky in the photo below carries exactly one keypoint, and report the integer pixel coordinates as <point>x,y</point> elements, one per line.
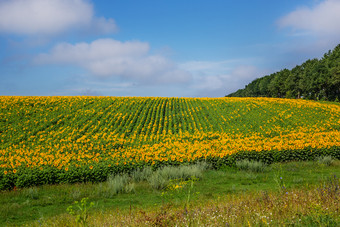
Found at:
<point>156,47</point>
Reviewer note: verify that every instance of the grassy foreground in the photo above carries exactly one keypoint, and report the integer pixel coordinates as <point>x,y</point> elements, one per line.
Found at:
<point>299,193</point>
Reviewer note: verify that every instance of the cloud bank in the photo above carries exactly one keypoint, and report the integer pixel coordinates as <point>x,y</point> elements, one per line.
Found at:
<point>129,60</point>
<point>219,78</point>
<point>321,20</point>
<point>50,17</point>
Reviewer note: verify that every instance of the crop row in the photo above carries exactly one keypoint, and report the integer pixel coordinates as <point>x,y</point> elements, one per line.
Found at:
<point>64,133</point>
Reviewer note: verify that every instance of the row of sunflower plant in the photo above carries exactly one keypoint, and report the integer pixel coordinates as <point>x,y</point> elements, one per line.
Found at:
<point>47,140</point>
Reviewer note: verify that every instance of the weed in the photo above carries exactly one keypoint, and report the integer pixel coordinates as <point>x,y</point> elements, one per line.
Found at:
<point>162,177</point>
<point>130,187</point>
<point>141,174</point>
<point>279,179</point>
<point>314,202</point>
<point>117,184</point>
<point>158,181</point>
<point>325,160</point>
<point>252,166</point>
<point>80,211</point>
<point>176,187</point>
<point>32,193</point>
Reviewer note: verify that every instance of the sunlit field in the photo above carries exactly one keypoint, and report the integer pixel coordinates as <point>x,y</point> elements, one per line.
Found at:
<point>76,139</point>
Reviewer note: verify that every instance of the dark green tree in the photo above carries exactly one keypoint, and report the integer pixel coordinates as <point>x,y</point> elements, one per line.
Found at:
<point>314,79</point>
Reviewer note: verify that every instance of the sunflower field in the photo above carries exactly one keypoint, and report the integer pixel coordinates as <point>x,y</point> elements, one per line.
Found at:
<point>48,140</point>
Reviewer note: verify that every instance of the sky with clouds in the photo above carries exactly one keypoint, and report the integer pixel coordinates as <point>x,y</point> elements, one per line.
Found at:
<point>192,48</point>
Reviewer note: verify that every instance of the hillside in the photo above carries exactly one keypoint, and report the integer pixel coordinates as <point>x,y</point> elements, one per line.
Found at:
<point>65,134</point>
<point>314,79</point>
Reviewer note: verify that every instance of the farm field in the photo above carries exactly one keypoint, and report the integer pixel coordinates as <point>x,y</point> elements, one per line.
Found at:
<point>46,140</point>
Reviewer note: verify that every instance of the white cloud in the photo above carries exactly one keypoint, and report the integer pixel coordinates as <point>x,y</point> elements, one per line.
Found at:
<point>312,30</point>
<point>217,67</point>
<point>103,25</point>
<point>47,17</point>
<point>228,82</point>
<point>246,73</point>
<point>218,78</point>
<point>109,57</point>
<point>208,67</point>
<point>322,20</point>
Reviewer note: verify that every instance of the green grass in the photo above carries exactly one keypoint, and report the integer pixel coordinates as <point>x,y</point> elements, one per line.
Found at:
<point>253,166</point>
<point>25,206</point>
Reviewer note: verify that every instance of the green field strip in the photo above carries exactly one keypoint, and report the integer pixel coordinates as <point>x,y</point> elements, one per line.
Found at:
<point>150,120</point>
<point>141,121</point>
<point>187,127</point>
<point>118,118</point>
<point>193,117</point>
<point>217,115</point>
<point>176,116</point>
<point>155,118</point>
<point>133,119</point>
<point>85,116</point>
<point>220,115</point>
<point>102,114</point>
<point>161,116</point>
<point>73,121</point>
<point>207,123</point>
<point>127,115</point>
<point>108,120</point>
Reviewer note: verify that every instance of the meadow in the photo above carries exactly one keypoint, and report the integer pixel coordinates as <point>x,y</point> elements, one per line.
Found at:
<point>48,140</point>
<point>281,194</point>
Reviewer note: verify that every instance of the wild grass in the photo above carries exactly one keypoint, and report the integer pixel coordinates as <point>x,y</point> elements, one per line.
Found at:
<point>325,160</point>
<point>141,174</point>
<point>307,206</point>
<point>32,193</point>
<point>228,195</point>
<point>116,184</point>
<point>161,177</point>
<point>252,166</point>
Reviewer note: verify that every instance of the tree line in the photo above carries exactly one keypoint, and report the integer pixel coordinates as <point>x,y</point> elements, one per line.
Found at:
<point>314,79</point>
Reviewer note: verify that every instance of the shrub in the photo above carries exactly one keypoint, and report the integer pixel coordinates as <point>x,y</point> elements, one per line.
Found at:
<point>161,177</point>
<point>141,174</point>
<point>129,188</point>
<point>253,166</point>
<point>117,184</point>
<point>325,160</point>
<point>157,181</point>
<point>32,193</point>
